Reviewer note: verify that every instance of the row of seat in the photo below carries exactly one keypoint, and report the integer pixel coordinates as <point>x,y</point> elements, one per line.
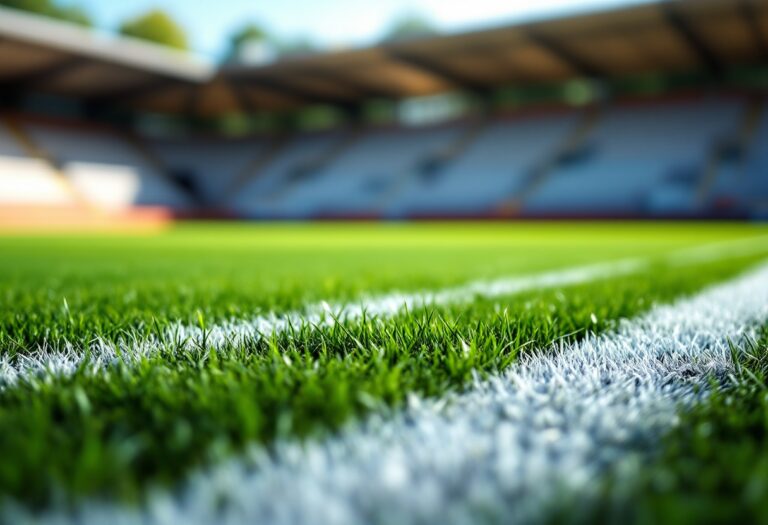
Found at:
<point>632,159</point>
<point>636,159</point>
<point>66,165</point>
<point>633,151</point>
<point>25,180</point>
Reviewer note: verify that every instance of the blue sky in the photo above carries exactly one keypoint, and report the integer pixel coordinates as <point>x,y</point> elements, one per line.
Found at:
<point>329,23</point>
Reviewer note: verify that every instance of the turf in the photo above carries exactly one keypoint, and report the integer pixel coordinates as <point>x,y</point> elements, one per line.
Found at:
<point>713,468</point>
<point>78,287</point>
<point>111,434</point>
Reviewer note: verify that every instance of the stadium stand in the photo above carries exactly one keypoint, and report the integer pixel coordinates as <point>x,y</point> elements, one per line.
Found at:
<point>104,168</point>
<point>269,192</point>
<point>638,158</point>
<point>354,183</point>
<point>634,150</point>
<point>743,182</point>
<point>495,166</point>
<point>209,166</point>
<point>26,180</point>
<point>610,153</point>
<point>756,180</point>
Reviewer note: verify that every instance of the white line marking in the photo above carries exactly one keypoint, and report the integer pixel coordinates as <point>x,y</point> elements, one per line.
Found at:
<point>391,304</point>
<point>102,354</point>
<point>717,251</point>
<point>512,449</point>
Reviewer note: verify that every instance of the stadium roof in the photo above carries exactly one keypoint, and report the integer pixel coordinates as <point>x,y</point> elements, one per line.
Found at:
<point>42,54</point>
<point>668,36</point>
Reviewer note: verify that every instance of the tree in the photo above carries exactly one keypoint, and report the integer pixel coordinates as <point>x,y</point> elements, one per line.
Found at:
<point>156,26</point>
<point>250,32</point>
<point>296,47</point>
<point>248,44</point>
<point>410,25</point>
<point>73,14</point>
<point>253,44</point>
<point>49,8</point>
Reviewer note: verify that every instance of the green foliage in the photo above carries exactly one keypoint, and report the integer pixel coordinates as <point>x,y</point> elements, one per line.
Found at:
<point>252,43</point>
<point>409,25</point>
<point>247,42</point>
<point>296,47</point>
<point>49,8</point>
<point>251,32</point>
<point>156,26</point>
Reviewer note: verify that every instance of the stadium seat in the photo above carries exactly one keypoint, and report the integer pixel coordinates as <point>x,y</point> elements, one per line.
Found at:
<point>637,146</point>
<point>358,181</point>
<point>25,180</point>
<point>493,167</point>
<point>269,193</point>
<point>104,168</point>
<point>212,164</point>
<point>745,180</point>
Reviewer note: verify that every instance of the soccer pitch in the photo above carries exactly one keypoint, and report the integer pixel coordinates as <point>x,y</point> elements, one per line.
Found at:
<point>399,373</point>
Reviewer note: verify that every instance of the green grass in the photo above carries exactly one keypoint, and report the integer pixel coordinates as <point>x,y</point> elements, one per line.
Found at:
<point>713,468</point>
<point>112,434</point>
<point>78,287</point>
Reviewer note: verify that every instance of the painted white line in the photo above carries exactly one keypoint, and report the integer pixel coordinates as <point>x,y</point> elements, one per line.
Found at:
<point>391,304</point>
<point>717,251</point>
<point>102,354</point>
<point>512,449</point>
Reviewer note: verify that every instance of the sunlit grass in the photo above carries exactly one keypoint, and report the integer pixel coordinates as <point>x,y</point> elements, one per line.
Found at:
<point>116,432</point>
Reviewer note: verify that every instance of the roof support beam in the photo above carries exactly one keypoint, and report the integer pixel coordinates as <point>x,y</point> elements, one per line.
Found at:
<point>132,93</point>
<point>43,76</point>
<point>694,42</point>
<point>244,101</point>
<point>750,15</point>
<point>561,52</point>
<point>284,89</point>
<point>249,102</point>
<point>437,70</point>
<point>278,88</point>
<point>191,100</point>
<point>361,89</point>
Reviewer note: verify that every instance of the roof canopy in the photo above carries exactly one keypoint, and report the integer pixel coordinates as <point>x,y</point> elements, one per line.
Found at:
<point>668,37</point>
<point>41,54</point>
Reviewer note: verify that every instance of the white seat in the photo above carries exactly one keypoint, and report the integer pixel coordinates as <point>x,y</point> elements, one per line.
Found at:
<point>105,169</point>
<point>27,181</point>
<point>635,149</point>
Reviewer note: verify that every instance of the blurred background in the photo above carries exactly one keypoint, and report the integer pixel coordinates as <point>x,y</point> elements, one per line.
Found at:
<point>140,113</point>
